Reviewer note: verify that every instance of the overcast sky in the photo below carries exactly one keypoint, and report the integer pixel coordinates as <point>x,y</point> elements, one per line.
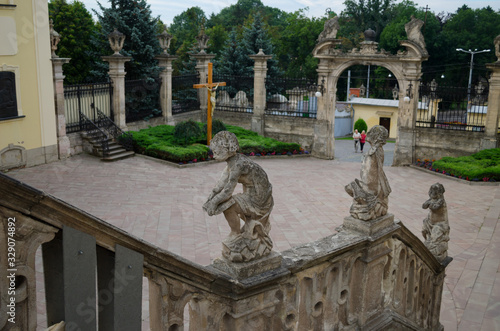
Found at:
<point>168,9</point>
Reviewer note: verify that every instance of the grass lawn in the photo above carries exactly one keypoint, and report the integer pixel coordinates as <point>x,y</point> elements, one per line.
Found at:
<point>159,142</point>
<point>482,166</point>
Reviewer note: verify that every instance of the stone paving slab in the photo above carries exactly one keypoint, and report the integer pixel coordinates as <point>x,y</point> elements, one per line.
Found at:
<point>162,205</point>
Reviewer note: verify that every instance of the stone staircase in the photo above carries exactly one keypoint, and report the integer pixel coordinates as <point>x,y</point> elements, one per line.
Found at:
<point>115,151</point>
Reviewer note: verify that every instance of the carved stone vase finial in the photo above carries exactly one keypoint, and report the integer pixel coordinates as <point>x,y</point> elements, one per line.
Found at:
<point>436,229</point>
<point>116,40</point>
<point>202,39</point>
<point>253,206</point>
<point>164,38</point>
<point>371,192</point>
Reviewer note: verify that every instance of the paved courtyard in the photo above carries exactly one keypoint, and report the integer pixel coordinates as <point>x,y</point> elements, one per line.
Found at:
<point>162,204</point>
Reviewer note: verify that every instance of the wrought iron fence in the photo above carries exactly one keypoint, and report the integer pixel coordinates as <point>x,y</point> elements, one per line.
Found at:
<point>142,99</point>
<point>452,108</point>
<point>292,97</point>
<point>184,96</point>
<point>83,98</point>
<point>237,95</point>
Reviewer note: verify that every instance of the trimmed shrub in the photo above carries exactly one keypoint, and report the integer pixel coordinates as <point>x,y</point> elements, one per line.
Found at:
<point>360,125</point>
<point>217,126</point>
<point>187,132</point>
<point>480,166</point>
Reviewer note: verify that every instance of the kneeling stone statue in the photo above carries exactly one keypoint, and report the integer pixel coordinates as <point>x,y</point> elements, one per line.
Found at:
<point>253,206</point>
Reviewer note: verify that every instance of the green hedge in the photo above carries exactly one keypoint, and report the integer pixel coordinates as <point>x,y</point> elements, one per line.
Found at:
<point>484,165</point>
<point>159,142</point>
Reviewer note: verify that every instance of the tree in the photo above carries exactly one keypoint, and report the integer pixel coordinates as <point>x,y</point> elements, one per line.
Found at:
<point>184,29</point>
<point>360,15</point>
<point>469,29</point>
<point>133,18</point>
<point>297,43</point>
<point>74,24</point>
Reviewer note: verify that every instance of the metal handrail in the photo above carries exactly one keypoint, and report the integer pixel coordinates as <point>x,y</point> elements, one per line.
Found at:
<point>91,127</point>
<point>124,138</point>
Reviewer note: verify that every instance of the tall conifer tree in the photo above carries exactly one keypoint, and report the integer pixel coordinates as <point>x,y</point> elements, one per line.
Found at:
<point>133,18</point>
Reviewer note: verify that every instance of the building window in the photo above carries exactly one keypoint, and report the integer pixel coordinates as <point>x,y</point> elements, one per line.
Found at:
<point>8,96</point>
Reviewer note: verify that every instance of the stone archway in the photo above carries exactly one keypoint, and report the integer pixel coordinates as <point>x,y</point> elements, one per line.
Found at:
<point>405,65</point>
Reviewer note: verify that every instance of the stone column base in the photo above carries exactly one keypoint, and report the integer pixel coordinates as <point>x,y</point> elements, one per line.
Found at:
<point>244,270</point>
<point>64,145</point>
<point>368,227</point>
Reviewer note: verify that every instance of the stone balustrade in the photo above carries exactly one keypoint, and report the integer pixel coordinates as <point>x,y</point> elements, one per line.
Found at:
<point>380,278</point>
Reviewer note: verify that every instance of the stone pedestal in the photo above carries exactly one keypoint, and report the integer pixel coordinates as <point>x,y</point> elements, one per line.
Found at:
<point>259,87</point>
<point>248,269</point>
<point>63,143</point>
<point>202,60</point>
<point>368,227</point>
<point>117,74</point>
<point>165,61</point>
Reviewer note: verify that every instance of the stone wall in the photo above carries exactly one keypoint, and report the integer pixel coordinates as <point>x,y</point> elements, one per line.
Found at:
<point>291,129</point>
<point>437,143</point>
<point>243,120</point>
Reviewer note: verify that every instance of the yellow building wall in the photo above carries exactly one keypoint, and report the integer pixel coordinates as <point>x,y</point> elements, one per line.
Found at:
<point>372,114</point>
<point>36,131</point>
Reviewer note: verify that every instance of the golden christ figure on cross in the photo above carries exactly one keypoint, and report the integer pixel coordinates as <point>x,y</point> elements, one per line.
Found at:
<point>211,87</point>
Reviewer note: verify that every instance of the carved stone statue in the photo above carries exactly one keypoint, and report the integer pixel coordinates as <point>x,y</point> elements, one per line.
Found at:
<point>253,206</point>
<point>414,33</point>
<point>371,193</point>
<point>436,228</point>
<point>330,29</point>
<point>497,47</point>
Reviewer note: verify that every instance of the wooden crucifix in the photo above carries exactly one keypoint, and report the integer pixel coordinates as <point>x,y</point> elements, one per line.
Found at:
<point>211,87</point>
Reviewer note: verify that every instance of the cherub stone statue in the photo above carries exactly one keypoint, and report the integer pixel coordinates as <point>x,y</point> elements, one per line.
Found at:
<point>330,29</point>
<point>436,228</point>
<point>371,193</point>
<point>253,206</point>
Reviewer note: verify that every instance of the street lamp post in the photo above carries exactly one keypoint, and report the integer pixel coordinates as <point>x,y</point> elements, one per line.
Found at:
<point>471,66</point>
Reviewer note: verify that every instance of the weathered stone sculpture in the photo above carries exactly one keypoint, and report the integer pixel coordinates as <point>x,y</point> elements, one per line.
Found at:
<point>414,33</point>
<point>371,193</point>
<point>497,47</point>
<point>253,206</point>
<point>436,228</point>
<point>330,29</point>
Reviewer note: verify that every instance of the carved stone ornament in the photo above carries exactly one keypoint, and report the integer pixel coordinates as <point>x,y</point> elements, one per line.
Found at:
<point>202,39</point>
<point>330,29</point>
<point>253,206</point>
<point>414,33</point>
<point>116,40</point>
<point>164,38</point>
<point>497,47</point>
<point>54,39</point>
<point>371,192</point>
<point>436,229</point>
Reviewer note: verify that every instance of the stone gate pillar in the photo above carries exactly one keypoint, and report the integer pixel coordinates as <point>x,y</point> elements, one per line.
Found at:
<point>63,143</point>
<point>117,75</point>
<point>324,141</point>
<point>165,61</point>
<point>202,60</point>
<point>259,88</point>
<point>408,104</point>
<point>490,139</point>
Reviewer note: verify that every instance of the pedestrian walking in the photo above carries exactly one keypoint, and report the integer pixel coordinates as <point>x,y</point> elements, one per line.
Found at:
<point>356,136</point>
<point>362,140</point>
